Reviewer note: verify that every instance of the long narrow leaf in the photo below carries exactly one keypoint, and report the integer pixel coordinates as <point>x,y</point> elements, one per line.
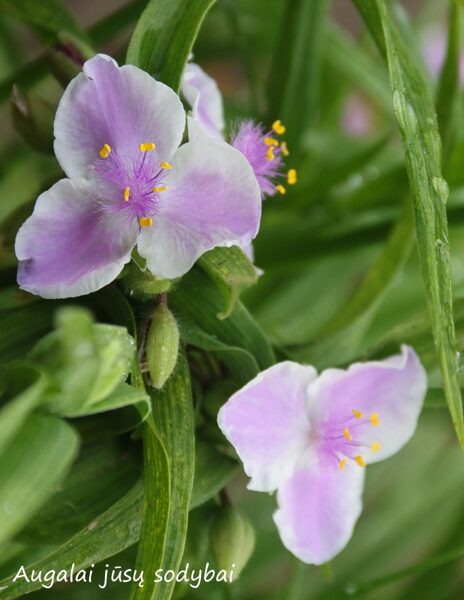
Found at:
<point>415,113</point>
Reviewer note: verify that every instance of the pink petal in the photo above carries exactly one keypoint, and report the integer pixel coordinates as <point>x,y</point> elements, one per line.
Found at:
<point>267,424</point>
<point>378,403</point>
<point>212,199</point>
<point>119,106</point>
<point>69,246</point>
<point>318,509</point>
<point>202,93</point>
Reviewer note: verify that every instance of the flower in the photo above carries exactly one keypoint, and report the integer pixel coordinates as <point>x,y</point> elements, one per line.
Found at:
<point>310,436</point>
<point>261,148</point>
<point>117,132</point>
<point>202,93</point>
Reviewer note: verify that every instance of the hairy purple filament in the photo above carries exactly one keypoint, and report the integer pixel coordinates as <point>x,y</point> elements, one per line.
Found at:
<point>134,179</point>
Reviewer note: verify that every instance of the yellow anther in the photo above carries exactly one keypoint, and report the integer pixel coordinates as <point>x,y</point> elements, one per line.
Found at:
<point>166,165</point>
<point>357,414</point>
<point>160,188</point>
<point>346,434</point>
<point>280,188</point>
<point>145,221</point>
<point>270,153</point>
<point>375,447</point>
<point>278,127</point>
<point>126,194</point>
<point>375,419</point>
<point>147,147</point>
<point>105,151</point>
<point>292,177</point>
<point>284,148</point>
<point>342,463</point>
<point>360,461</point>
<point>270,141</point>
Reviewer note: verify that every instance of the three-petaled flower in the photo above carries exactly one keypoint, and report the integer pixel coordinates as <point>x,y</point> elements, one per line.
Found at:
<point>310,436</point>
<point>117,132</point>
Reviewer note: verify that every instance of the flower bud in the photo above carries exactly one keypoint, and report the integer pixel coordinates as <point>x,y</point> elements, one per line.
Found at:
<point>33,120</point>
<point>67,57</point>
<point>232,539</point>
<point>162,346</point>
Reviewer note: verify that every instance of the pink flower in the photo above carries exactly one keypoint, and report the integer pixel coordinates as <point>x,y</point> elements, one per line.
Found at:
<point>117,137</point>
<point>310,436</point>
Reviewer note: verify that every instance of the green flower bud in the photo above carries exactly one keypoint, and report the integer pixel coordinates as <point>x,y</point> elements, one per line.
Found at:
<point>33,119</point>
<point>232,539</point>
<point>162,346</point>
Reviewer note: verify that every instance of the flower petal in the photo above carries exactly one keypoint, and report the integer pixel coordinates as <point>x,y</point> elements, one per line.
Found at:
<point>68,246</point>
<point>202,93</point>
<point>119,106</point>
<point>387,397</point>
<point>266,422</point>
<point>318,509</point>
<point>212,199</point>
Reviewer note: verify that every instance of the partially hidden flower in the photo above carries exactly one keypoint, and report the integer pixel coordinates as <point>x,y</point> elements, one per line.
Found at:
<point>309,437</point>
<point>263,149</point>
<point>117,135</point>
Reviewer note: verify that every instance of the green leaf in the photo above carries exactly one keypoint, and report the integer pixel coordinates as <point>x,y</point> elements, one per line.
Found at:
<point>338,342</point>
<point>86,361</point>
<point>449,90</point>
<point>295,74</point>
<point>164,36</point>
<point>35,461</point>
<point>110,533</point>
<point>198,298</point>
<point>27,384</point>
<point>123,395</point>
<point>242,365</point>
<point>168,482</point>
<point>213,471</point>
<point>231,271</point>
<point>415,113</point>
<point>47,17</point>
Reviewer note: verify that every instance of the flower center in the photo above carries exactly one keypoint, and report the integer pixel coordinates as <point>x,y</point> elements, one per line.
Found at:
<point>343,440</point>
<point>137,180</point>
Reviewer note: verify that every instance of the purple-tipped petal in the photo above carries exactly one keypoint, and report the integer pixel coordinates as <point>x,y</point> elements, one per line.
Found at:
<point>119,106</point>
<point>212,199</point>
<point>318,509</point>
<point>370,410</point>
<point>202,93</point>
<point>70,245</point>
<point>267,424</point>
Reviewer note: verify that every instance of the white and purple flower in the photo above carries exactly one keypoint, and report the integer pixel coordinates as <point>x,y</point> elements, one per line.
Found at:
<point>309,437</point>
<point>264,152</point>
<point>117,137</point>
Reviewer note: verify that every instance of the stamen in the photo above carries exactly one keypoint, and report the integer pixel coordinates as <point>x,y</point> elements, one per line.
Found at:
<point>346,434</point>
<point>292,177</point>
<point>270,153</point>
<point>166,165</point>
<point>360,461</point>
<point>357,414</point>
<point>284,148</point>
<point>270,141</point>
<point>147,147</point>
<point>375,446</point>
<point>126,194</point>
<point>280,188</point>
<point>160,188</point>
<point>145,221</point>
<point>278,127</point>
<point>342,463</point>
<point>375,419</point>
<point>105,151</point>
